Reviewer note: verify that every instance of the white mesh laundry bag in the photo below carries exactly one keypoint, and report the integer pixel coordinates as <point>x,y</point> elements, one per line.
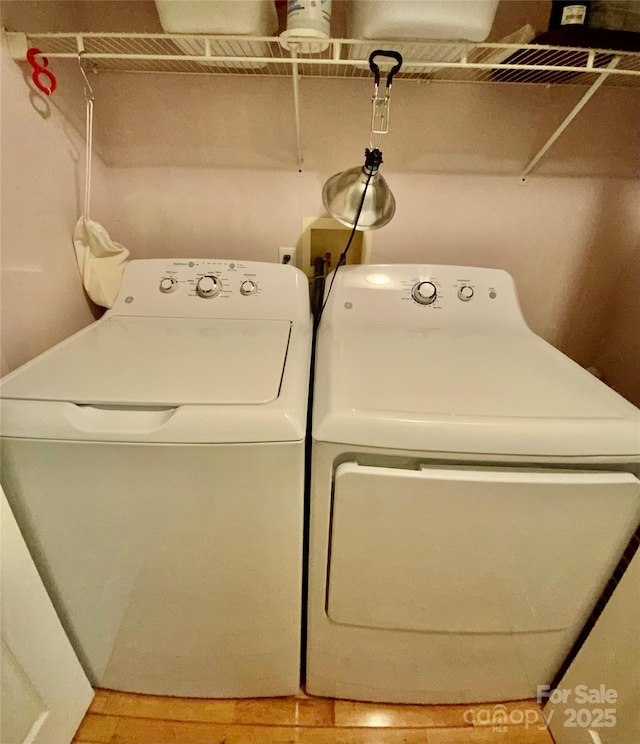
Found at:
<point>101,260</point>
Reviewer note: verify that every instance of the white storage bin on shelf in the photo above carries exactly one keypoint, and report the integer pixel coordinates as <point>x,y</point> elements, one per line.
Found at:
<point>422,19</point>
<point>468,20</point>
<point>232,17</point>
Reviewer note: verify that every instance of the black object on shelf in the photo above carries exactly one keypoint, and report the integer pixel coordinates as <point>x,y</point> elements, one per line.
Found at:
<point>591,38</point>
<point>567,36</point>
<point>574,13</point>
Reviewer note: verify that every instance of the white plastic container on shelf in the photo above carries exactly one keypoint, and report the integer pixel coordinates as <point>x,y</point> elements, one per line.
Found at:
<point>221,17</point>
<point>233,17</point>
<point>422,19</point>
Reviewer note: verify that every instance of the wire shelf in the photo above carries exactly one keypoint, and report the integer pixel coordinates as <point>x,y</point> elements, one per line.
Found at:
<point>342,58</point>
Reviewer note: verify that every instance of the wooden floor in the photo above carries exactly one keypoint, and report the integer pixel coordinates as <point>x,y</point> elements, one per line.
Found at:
<point>124,718</point>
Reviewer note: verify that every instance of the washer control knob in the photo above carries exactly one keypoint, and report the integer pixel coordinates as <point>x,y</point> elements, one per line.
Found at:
<point>248,288</point>
<point>208,286</point>
<point>168,284</point>
<point>465,293</point>
<point>424,292</point>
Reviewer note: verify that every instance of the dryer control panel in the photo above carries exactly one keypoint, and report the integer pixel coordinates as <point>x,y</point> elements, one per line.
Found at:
<point>202,288</point>
<point>423,294</point>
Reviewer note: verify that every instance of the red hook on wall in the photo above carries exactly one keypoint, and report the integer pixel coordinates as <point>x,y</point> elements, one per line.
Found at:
<point>39,70</point>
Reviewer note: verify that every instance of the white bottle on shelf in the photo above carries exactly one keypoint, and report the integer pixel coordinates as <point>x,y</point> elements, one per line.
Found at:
<point>308,19</point>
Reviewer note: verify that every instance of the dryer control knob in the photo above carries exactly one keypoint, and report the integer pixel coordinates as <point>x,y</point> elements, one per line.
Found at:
<point>208,286</point>
<point>248,288</point>
<point>424,292</point>
<point>465,293</point>
<point>168,284</point>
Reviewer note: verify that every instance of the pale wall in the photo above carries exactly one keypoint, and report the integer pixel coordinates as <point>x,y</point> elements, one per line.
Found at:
<point>42,297</point>
<point>248,122</point>
<point>618,336</point>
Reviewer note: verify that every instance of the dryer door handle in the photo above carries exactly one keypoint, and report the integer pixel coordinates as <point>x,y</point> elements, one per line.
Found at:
<point>118,419</point>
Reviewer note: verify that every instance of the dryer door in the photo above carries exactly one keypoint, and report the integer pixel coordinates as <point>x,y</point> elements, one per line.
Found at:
<point>475,550</point>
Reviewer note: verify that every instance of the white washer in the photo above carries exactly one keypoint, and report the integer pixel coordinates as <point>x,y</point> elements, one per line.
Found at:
<point>472,491</point>
<point>155,463</point>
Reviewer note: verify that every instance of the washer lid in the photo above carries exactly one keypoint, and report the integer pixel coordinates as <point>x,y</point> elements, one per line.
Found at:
<point>466,391</point>
<point>131,361</point>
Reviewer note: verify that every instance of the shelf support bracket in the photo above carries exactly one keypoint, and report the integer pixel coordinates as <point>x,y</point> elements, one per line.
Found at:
<point>570,117</point>
<point>296,101</point>
<point>17,43</point>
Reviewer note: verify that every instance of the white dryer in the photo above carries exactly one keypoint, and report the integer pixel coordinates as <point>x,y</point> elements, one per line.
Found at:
<point>472,491</point>
<point>155,463</point>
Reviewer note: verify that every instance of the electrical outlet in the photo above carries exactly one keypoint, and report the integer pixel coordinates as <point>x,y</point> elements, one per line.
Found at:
<point>288,256</point>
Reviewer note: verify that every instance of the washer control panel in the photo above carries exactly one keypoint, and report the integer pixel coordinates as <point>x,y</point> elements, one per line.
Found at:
<point>209,287</point>
<point>217,280</point>
<point>432,296</point>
